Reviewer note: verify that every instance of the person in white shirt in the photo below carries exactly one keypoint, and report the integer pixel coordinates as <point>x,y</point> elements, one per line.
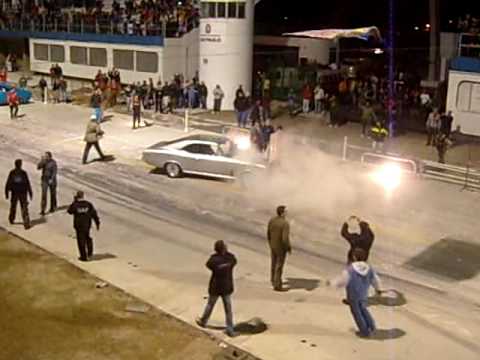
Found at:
<point>319,94</point>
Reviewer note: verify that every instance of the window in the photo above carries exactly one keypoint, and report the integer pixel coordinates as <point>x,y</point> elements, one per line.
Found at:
<point>78,55</point>
<point>468,96</point>
<point>205,149</point>
<point>193,148</point>
<point>232,10</point>
<point>98,57</point>
<point>40,52</point>
<point>57,53</point>
<point>123,59</point>
<point>221,10</point>
<point>212,10</point>
<point>147,61</point>
<point>241,10</point>
<point>204,10</point>
<point>202,149</point>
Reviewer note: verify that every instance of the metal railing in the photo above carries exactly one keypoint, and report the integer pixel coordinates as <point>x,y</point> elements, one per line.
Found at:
<point>411,164</point>
<point>466,176</point>
<point>97,25</point>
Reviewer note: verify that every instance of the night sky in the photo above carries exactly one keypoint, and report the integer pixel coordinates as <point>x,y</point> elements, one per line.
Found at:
<point>318,14</point>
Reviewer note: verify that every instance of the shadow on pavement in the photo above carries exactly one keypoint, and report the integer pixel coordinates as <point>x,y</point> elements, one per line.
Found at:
<point>39,221</point>
<point>387,334</point>
<point>251,327</point>
<point>105,256</point>
<point>388,298</point>
<point>450,258</point>
<point>304,284</point>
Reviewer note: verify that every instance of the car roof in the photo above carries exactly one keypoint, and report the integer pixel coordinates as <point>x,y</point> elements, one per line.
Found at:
<point>219,139</point>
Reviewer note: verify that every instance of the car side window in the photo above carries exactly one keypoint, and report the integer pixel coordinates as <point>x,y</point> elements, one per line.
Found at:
<point>206,149</point>
<point>192,148</point>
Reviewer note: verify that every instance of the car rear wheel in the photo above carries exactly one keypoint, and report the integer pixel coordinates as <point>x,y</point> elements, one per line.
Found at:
<point>173,170</point>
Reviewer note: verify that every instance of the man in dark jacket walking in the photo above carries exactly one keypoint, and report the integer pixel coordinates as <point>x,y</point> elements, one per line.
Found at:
<point>278,235</point>
<point>221,285</point>
<point>83,213</point>
<point>49,181</point>
<point>18,186</point>
<point>364,240</point>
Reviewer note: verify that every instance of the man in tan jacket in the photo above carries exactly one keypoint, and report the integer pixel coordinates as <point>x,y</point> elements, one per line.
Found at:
<point>278,235</point>
<point>92,137</point>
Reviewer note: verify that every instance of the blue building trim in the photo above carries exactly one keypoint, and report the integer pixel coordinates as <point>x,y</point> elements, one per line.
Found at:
<point>101,38</point>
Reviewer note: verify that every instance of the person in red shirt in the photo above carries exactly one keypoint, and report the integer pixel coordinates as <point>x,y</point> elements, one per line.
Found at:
<point>13,102</point>
<point>3,75</point>
<point>307,98</point>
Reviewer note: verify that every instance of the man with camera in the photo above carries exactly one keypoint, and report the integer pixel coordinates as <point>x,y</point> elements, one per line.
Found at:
<point>49,181</point>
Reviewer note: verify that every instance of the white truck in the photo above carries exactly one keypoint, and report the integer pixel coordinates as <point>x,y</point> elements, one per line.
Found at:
<point>463,100</point>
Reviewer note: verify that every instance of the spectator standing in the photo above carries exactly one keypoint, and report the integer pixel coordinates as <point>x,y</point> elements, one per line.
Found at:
<point>319,94</point>
<point>92,137</point>
<point>83,213</point>
<point>447,121</point>
<point>368,117</point>
<point>241,107</point>
<point>203,93</point>
<point>433,127</point>
<point>62,89</point>
<point>239,92</point>
<point>48,166</point>
<point>218,96</point>
<point>96,104</point>
<point>42,84</point>
<point>357,278</point>
<point>13,102</point>
<point>221,264</point>
<point>137,111</point>
<point>17,187</point>
<point>442,145</point>
<point>307,98</point>
<point>379,133</point>
<point>278,235</point>
<point>159,97</point>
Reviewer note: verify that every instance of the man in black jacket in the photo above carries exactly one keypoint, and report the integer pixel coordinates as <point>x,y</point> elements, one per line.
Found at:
<point>221,285</point>
<point>83,213</point>
<point>18,186</point>
<point>49,181</point>
<point>364,240</point>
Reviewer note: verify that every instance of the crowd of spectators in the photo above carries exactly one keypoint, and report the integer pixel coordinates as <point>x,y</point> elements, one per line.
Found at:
<point>145,17</point>
<point>351,98</point>
<point>469,24</point>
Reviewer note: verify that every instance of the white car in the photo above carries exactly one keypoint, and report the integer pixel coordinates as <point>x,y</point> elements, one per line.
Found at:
<point>203,154</point>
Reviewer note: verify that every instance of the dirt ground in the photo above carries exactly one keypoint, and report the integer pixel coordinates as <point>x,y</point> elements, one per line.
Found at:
<point>52,310</point>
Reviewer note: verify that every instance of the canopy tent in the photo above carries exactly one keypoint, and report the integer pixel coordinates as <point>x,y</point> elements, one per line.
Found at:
<point>333,34</point>
<point>363,33</point>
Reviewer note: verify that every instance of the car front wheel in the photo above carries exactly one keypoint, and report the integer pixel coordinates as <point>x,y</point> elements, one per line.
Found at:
<point>173,170</point>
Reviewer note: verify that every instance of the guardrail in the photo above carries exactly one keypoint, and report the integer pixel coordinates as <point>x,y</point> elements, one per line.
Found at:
<point>466,176</point>
<point>393,159</point>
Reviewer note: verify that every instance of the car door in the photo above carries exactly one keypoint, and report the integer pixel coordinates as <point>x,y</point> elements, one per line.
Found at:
<point>189,157</point>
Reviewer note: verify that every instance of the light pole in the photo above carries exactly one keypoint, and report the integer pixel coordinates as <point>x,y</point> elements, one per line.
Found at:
<point>433,70</point>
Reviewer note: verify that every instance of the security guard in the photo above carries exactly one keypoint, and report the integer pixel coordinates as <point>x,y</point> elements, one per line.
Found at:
<point>379,133</point>
<point>83,213</point>
<point>18,185</point>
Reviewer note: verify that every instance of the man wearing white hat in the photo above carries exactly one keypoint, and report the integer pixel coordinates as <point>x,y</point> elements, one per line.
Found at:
<point>92,137</point>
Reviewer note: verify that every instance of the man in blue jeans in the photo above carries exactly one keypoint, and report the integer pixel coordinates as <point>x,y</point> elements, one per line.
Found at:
<point>221,264</point>
<point>358,277</point>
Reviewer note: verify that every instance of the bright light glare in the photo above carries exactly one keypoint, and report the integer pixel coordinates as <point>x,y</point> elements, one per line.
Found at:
<point>378,51</point>
<point>242,142</point>
<point>388,175</point>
